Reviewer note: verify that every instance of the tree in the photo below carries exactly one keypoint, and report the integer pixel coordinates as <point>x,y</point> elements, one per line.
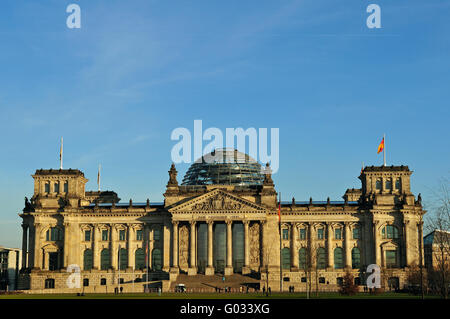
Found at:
<point>439,248</point>
<point>348,286</point>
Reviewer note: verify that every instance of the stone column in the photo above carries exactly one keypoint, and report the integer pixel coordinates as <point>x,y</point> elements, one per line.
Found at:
<point>24,245</point>
<point>330,263</point>
<point>210,268</point>
<point>193,265</point>
<point>246,268</point>
<point>406,244</point>
<point>96,250</point>
<point>420,231</point>
<point>294,250</point>
<point>348,249</point>
<point>37,246</point>
<point>377,248</point>
<point>229,266</point>
<point>166,246</point>
<point>175,247</point>
<point>151,245</point>
<point>114,247</point>
<point>67,239</point>
<point>312,237</point>
<point>131,260</point>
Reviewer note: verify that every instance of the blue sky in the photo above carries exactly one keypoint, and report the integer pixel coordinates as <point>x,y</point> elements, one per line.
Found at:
<point>136,70</point>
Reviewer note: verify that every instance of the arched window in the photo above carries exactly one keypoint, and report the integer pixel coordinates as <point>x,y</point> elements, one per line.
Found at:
<point>302,258</point>
<point>286,258</point>
<point>56,187</point>
<point>66,187</point>
<point>338,258</point>
<point>123,257</point>
<point>105,259</point>
<point>156,259</point>
<point>87,259</point>
<point>139,259</point>
<point>389,232</point>
<point>85,282</point>
<point>49,283</point>
<point>356,258</point>
<point>321,258</point>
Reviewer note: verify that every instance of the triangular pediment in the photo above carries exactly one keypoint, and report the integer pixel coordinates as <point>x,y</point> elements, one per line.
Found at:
<point>215,201</point>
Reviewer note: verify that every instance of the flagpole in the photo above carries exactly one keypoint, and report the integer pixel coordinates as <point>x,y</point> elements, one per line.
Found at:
<point>98,177</point>
<point>61,155</point>
<point>384,150</point>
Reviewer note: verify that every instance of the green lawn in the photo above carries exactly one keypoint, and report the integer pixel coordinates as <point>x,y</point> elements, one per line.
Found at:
<point>215,296</point>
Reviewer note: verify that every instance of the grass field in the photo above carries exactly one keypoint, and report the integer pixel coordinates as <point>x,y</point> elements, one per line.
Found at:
<point>215,296</point>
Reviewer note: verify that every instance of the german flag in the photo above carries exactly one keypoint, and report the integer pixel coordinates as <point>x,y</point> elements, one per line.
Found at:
<point>381,146</point>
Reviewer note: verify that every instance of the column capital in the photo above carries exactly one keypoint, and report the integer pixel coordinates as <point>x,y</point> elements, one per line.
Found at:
<point>192,222</point>
<point>406,221</point>
<point>246,222</point>
<point>175,222</point>
<point>210,221</point>
<point>228,221</point>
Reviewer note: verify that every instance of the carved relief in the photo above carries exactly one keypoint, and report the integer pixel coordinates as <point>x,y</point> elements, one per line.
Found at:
<point>254,244</point>
<point>184,248</point>
<point>217,202</point>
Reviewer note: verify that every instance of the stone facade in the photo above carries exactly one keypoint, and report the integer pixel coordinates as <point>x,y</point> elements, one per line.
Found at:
<point>319,241</point>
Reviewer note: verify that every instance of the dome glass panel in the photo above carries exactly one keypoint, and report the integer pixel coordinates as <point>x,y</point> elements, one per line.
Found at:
<point>224,167</point>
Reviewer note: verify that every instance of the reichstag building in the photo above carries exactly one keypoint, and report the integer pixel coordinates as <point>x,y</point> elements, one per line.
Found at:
<point>218,227</point>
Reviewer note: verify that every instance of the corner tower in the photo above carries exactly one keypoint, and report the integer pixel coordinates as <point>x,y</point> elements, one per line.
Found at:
<point>56,188</point>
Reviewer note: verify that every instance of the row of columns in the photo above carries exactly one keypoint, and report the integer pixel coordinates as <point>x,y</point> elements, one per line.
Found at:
<point>311,237</point>
<point>210,248</point>
<point>33,255</point>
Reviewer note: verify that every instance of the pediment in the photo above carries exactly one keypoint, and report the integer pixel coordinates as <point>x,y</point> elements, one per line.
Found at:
<point>217,200</point>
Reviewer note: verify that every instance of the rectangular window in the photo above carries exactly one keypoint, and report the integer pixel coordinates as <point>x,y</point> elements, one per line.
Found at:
<point>66,187</point>
<point>285,233</point>
<point>389,184</point>
<point>397,184</point>
<point>157,234</point>
<point>303,233</point>
<point>105,235</point>
<point>47,187</point>
<point>338,233</point>
<point>55,234</point>
<point>87,235</point>
<point>320,233</point>
<point>391,258</point>
<point>378,184</point>
<point>56,187</point>
<point>122,234</point>
<point>356,234</point>
<point>139,234</point>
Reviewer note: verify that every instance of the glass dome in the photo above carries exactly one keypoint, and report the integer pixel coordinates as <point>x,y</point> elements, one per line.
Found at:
<point>224,167</point>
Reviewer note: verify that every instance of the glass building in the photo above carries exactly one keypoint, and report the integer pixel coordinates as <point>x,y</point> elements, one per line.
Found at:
<point>224,167</point>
